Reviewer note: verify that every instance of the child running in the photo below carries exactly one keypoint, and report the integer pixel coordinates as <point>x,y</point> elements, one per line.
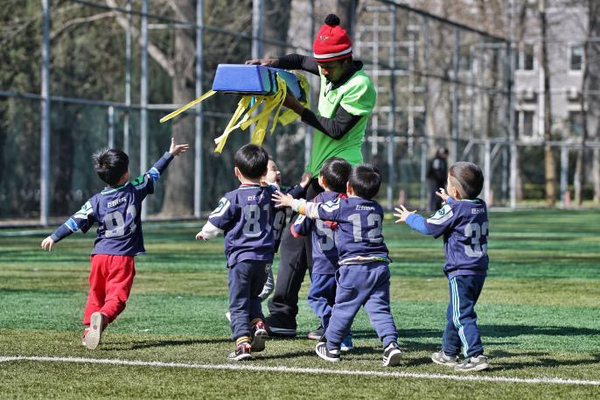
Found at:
<point>245,216</point>
<point>363,277</point>
<point>321,296</point>
<point>117,210</point>
<point>463,222</point>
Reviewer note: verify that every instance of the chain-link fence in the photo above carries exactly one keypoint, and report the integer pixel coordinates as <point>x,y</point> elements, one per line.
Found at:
<point>116,67</point>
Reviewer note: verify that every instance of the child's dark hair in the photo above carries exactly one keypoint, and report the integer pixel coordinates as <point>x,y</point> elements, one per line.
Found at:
<point>468,179</point>
<point>110,165</point>
<point>335,172</point>
<point>252,161</point>
<point>365,180</point>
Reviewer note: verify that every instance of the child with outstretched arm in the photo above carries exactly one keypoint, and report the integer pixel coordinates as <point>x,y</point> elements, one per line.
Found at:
<point>321,295</point>
<point>363,277</point>
<point>463,221</point>
<point>117,210</point>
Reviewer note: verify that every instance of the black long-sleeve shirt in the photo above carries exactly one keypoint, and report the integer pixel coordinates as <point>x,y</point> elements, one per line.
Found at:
<point>343,121</point>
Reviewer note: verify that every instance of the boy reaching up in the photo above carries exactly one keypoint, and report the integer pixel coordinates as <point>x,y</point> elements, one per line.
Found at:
<point>117,210</point>
<point>463,222</point>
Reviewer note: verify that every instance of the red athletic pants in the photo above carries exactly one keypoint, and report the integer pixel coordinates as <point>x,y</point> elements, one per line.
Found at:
<point>110,280</point>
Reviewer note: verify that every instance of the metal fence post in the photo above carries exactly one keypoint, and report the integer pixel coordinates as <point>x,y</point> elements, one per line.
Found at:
<point>45,118</point>
<point>199,119</point>
<point>392,118</point>
<point>111,126</point>
<point>455,62</point>
<point>144,96</point>
<point>127,78</point>
<point>564,175</point>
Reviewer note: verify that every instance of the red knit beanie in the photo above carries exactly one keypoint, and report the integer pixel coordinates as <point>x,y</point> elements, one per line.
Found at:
<point>332,42</point>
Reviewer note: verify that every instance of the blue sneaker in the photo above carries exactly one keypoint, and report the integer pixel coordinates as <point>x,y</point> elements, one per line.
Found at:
<point>347,343</point>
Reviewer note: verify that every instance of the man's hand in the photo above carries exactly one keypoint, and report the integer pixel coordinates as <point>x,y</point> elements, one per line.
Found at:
<point>292,103</point>
<point>442,193</point>
<point>282,200</point>
<point>177,149</point>
<point>402,213</point>
<point>47,243</point>
<point>200,236</point>
<point>305,179</point>
<point>267,62</point>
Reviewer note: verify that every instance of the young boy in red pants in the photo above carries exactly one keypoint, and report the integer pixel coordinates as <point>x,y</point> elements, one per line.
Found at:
<point>117,210</point>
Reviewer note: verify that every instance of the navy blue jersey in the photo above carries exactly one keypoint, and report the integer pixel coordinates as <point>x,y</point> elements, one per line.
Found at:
<point>465,227</point>
<point>323,237</point>
<point>118,214</point>
<point>246,217</point>
<point>360,222</point>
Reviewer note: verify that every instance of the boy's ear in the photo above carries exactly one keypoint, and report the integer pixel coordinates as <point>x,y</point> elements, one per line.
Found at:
<point>237,172</point>
<point>349,189</point>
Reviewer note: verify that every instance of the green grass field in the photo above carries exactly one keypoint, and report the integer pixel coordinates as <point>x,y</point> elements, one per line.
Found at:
<point>539,315</point>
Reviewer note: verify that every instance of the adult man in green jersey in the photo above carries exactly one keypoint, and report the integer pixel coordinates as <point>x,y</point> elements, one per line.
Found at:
<point>346,99</point>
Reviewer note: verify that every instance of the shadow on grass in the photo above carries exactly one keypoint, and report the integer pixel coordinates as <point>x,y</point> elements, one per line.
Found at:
<point>532,359</point>
<point>169,343</point>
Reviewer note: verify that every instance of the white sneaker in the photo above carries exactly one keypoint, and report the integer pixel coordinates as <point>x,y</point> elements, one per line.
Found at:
<point>94,335</point>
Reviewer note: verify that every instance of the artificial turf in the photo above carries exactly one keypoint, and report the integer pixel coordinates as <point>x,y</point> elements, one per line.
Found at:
<point>538,315</point>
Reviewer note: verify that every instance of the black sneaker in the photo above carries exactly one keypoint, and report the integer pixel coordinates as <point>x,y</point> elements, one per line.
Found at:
<point>473,364</point>
<point>316,334</point>
<point>242,352</point>
<point>328,355</point>
<point>259,336</point>
<point>391,355</point>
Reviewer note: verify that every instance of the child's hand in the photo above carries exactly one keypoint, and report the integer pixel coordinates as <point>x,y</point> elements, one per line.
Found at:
<point>200,236</point>
<point>442,193</point>
<point>402,213</point>
<point>305,180</point>
<point>177,149</point>
<point>282,200</point>
<point>47,243</point>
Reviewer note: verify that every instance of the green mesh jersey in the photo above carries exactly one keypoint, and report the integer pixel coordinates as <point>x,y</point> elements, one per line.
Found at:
<point>357,97</point>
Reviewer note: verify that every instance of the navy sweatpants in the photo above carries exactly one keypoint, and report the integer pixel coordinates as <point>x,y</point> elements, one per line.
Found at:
<point>246,281</point>
<point>321,296</point>
<point>362,285</point>
<point>461,329</point>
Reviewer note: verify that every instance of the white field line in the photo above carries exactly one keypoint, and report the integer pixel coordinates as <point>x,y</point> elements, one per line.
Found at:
<point>259,368</point>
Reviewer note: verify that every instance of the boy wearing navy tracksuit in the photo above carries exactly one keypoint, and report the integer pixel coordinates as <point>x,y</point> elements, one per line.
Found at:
<point>117,210</point>
<point>363,277</point>
<point>245,216</point>
<point>463,222</point>
<point>321,296</point>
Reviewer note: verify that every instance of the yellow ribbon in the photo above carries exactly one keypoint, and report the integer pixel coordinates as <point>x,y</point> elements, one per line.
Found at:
<point>244,115</point>
<point>188,105</point>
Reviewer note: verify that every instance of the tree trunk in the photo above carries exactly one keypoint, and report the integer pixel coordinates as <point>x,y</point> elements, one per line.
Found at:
<point>550,159</point>
<point>179,196</point>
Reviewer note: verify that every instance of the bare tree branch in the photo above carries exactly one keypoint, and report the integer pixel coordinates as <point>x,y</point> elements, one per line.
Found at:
<point>153,50</point>
<point>78,21</point>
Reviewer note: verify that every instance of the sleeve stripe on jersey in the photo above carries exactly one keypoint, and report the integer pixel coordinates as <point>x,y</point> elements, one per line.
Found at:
<point>84,211</point>
<point>72,225</point>
<point>332,205</point>
<point>300,219</point>
<point>224,204</point>
<point>442,217</point>
<point>154,174</point>
<point>140,182</point>
<point>294,233</point>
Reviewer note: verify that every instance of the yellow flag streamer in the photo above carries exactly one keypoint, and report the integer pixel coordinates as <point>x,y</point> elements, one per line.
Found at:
<point>244,115</point>
<point>188,105</point>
